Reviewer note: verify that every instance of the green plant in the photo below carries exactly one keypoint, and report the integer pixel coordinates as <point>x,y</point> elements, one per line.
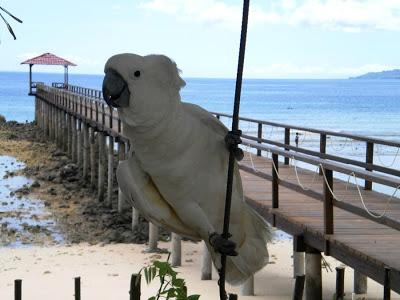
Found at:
<point>171,287</point>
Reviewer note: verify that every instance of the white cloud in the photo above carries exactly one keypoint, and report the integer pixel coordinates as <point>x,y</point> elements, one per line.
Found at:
<point>345,15</point>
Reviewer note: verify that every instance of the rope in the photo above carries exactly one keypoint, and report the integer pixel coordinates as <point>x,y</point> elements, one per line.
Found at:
<point>298,179</point>
<point>270,133</point>
<point>337,149</point>
<point>379,157</point>
<point>369,212</point>
<point>372,214</point>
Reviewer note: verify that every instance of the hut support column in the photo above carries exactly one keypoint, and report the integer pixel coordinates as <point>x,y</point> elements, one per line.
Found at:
<point>110,173</point>
<point>206,267</point>
<point>30,79</point>
<point>176,258</point>
<point>360,286</point>
<point>313,284</point>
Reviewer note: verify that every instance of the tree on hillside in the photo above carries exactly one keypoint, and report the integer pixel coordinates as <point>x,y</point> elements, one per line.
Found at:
<point>5,21</point>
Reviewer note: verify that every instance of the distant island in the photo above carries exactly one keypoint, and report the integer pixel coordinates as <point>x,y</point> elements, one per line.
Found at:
<point>392,74</point>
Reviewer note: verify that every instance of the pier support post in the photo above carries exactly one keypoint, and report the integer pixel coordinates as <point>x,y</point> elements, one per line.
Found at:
<point>50,118</point>
<point>135,218</point>
<point>298,263</point>
<point>101,138</point>
<point>122,203</point>
<point>79,145</point>
<point>93,157</point>
<point>65,131</point>
<point>206,267</point>
<point>247,288</point>
<point>313,274</point>
<point>74,139</point>
<point>86,154</point>
<point>153,237</point>
<point>69,129</point>
<point>298,256</point>
<point>176,251</point>
<point>360,286</point>
<point>110,172</point>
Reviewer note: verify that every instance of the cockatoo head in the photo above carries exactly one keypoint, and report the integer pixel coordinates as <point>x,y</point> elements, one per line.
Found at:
<point>143,88</point>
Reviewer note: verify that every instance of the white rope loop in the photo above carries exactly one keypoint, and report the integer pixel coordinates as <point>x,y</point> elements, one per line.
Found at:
<point>380,153</point>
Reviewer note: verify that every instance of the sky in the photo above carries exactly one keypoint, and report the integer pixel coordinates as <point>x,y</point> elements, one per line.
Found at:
<point>286,38</point>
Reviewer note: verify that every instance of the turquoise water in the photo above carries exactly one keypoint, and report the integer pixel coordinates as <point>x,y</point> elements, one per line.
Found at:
<point>368,107</point>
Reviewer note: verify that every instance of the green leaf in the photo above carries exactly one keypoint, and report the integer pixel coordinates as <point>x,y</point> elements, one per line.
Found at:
<point>152,298</point>
<point>193,297</point>
<point>146,275</point>
<point>178,282</point>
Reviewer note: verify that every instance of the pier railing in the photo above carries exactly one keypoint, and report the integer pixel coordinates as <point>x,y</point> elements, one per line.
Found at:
<point>61,112</point>
<point>86,106</point>
<point>287,141</point>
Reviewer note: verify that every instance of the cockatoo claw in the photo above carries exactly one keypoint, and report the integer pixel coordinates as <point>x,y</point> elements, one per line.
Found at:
<point>222,245</point>
<point>232,140</point>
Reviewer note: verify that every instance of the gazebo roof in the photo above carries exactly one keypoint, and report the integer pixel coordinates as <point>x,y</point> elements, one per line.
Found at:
<point>48,59</point>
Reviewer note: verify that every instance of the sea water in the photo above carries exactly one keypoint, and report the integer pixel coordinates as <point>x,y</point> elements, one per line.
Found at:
<point>365,107</point>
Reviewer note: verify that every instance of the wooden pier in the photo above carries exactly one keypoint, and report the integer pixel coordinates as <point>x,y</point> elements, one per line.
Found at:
<point>347,220</point>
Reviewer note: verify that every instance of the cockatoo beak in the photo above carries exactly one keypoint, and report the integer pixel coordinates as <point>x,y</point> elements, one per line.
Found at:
<point>115,90</point>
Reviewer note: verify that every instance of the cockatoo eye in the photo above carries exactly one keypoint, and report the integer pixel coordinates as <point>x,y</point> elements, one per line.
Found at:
<point>136,74</point>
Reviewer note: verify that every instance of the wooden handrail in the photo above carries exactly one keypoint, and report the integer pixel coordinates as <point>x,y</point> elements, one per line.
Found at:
<point>327,164</point>
<point>319,131</point>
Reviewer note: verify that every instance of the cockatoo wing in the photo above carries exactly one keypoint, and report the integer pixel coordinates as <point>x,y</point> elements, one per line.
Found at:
<point>208,119</point>
<point>140,190</point>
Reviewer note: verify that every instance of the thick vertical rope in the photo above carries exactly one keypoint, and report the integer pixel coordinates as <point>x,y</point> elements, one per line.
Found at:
<point>235,130</point>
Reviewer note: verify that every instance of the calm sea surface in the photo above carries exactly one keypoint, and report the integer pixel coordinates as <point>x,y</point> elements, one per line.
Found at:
<point>366,107</point>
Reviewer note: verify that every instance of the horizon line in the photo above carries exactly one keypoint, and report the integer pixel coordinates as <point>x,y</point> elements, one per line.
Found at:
<point>191,77</point>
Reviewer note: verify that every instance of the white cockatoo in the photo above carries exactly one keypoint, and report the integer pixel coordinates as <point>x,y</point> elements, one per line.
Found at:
<point>176,173</point>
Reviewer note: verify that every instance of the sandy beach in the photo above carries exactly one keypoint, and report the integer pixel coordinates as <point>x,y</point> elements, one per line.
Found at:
<point>48,272</point>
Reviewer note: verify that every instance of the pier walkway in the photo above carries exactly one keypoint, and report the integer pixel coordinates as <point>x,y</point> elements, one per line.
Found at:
<point>328,202</point>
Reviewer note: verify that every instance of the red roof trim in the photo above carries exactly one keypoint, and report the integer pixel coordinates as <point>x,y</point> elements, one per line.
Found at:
<point>48,59</point>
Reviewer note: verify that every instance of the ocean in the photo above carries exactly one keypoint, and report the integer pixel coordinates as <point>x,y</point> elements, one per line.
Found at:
<point>366,107</point>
